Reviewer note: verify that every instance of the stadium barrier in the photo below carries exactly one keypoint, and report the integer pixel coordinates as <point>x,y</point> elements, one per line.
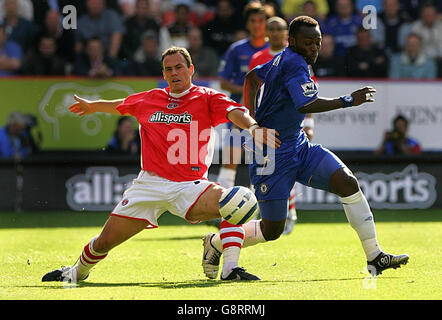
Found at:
<point>95,181</point>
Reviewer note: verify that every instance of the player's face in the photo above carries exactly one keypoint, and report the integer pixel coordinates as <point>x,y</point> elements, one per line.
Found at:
<point>277,34</point>
<point>308,42</point>
<point>256,24</point>
<point>176,72</point>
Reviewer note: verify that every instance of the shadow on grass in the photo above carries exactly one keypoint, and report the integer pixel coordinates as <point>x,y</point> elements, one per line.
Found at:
<point>169,238</point>
<point>190,284</point>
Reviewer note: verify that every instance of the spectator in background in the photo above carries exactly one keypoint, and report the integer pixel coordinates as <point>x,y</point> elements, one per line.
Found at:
<point>127,7</point>
<point>392,28</point>
<point>147,59</point>
<point>219,33</point>
<point>100,22</point>
<point>45,62</point>
<point>378,4</point>
<point>64,38</point>
<point>204,59</point>
<point>328,64</point>
<point>136,26</point>
<point>10,55</point>
<point>412,62</point>
<point>94,63</point>
<point>25,9</point>
<point>365,59</point>
<point>343,26</point>
<point>429,28</point>
<point>126,139</point>
<point>309,8</point>
<point>412,7</point>
<point>397,141</point>
<point>20,30</point>
<point>175,34</point>
<point>14,138</point>
<point>291,8</point>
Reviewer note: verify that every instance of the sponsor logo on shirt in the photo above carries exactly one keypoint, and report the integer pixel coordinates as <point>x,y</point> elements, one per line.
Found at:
<point>168,118</point>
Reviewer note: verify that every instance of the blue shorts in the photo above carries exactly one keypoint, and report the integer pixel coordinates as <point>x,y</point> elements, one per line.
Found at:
<point>309,164</point>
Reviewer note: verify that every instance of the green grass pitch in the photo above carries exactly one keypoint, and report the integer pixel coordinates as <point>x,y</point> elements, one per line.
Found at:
<point>321,259</point>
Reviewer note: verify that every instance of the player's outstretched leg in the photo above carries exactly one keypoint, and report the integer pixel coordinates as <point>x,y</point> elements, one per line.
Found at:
<point>80,271</point>
<point>115,231</point>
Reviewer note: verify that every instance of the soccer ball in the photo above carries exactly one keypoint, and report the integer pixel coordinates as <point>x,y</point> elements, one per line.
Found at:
<point>238,205</point>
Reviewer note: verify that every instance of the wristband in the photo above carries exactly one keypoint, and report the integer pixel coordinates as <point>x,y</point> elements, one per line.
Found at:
<point>348,101</point>
<point>309,122</point>
<point>252,127</point>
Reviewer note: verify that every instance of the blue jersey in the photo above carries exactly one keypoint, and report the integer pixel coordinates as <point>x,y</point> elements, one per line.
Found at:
<point>287,87</point>
<point>235,63</point>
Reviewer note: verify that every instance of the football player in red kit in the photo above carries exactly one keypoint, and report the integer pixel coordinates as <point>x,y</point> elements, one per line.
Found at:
<point>176,148</point>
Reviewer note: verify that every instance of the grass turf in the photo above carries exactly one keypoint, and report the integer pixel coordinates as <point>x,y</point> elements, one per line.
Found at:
<point>321,259</point>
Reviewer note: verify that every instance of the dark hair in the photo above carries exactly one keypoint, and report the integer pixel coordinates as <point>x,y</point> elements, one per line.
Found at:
<point>173,50</point>
<point>399,118</point>
<point>253,7</point>
<point>299,22</point>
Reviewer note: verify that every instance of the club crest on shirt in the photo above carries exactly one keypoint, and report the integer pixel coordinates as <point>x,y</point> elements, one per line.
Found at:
<point>309,89</point>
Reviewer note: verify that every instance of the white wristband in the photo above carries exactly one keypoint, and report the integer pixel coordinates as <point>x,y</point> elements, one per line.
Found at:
<point>309,122</point>
<point>252,128</point>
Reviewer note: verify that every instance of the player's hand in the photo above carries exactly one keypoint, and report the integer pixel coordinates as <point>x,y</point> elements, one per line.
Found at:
<point>266,136</point>
<point>363,95</point>
<point>82,106</point>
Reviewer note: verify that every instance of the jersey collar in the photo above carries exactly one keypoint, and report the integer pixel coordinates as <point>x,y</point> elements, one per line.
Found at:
<point>179,95</point>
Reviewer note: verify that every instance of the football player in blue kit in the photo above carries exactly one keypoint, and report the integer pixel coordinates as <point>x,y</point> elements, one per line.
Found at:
<point>279,94</point>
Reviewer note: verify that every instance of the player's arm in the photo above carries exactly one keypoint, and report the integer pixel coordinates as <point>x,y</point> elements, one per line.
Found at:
<point>84,107</point>
<point>230,86</point>
<point>251,87</point>
<point>260,134</point>
<point>357,98</point>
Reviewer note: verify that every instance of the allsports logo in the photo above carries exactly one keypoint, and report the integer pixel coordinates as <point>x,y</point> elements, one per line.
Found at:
<point>168,118</point>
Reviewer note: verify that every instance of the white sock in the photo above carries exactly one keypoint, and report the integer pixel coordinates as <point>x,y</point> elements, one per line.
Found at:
<point>361,219</point>
<point>226,177</point>
<point>253,234</point>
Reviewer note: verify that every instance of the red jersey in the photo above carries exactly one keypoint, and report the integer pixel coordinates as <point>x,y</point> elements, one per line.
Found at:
<point>177,130</point>
<point>260,57</point>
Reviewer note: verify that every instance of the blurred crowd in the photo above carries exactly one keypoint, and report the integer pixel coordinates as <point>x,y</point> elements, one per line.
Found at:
<point>126,37</point>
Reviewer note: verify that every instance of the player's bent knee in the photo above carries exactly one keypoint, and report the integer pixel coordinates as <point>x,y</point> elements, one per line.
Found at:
<point>344,183</point>
<point>238,205</point>
<point>206,208</point>
<point>272,230</point>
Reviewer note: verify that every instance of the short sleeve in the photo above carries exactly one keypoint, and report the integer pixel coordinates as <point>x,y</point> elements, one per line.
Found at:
<point>132,104</point>
<point>301,87</point>
<point>261,70</point>
<point>220,105</point>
